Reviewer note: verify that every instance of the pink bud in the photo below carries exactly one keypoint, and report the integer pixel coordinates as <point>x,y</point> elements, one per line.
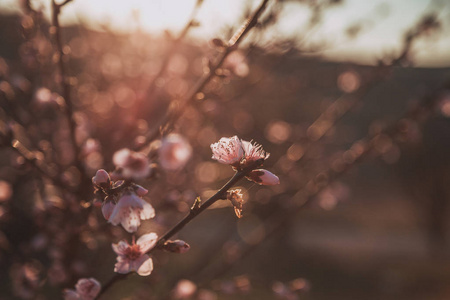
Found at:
<point>101,178</point>
<point>177,246</point>
<point>140,191</point>
<point>263,177</point>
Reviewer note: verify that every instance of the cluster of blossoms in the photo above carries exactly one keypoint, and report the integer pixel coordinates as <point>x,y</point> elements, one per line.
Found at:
<point>122,204</point>
<point>122,201</point>
<point>240,155</point>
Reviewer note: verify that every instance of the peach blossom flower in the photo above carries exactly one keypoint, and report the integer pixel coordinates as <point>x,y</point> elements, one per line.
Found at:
<point>85,289</point>
<point>174,152</point>
<point>133,165</point>
<point>228,150</point>
<point>130,210</point>
<point>253,152</point>
<point>132,258</point>
<point>263,177</point>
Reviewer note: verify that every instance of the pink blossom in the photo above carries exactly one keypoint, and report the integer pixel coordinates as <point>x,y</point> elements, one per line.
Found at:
<point>263,177</point>
<point>101,178</point>
<point>85,289</point>
<point>130,210</point>
<point>132,258</point>
<point>253,152</point>
<point>174,152</point>
<point>133,165</point>
<point>228,150</point>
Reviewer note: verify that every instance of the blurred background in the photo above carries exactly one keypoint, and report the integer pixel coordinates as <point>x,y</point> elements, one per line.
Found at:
<point>351,98</point>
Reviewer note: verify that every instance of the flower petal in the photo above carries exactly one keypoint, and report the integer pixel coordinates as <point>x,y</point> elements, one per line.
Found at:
<point>147,211</point>
<point>147,241</point>
<point>108,209</point>
<point>132,221</point>
<point>143,265</point>
<point>120,247</point>
<point>122,266</point>
<point>228,150</point>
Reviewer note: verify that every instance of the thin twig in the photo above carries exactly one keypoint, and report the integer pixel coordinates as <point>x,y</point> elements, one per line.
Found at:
<point>174,47</point>
<point>194,212</point>
<point>169,119</point>
<point>66,93</point>
<point>31,158</point>
<point>278,220</point>
<point>167,57</point>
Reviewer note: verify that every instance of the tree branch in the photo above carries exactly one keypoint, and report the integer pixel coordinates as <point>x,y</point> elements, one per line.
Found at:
<point>169,119</point>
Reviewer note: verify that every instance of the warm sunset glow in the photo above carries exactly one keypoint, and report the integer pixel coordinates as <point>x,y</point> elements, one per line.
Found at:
<point>385,23</point>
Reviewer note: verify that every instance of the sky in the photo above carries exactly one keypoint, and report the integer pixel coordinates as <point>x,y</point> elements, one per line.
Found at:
<point>385,23</point>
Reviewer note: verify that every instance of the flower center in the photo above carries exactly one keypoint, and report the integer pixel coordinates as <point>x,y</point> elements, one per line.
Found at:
<point>133,252</point>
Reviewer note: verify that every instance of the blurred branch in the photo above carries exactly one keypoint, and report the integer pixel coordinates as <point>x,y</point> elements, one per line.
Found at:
<point>175,43</point>
<point>168,121</point>
<point>33,159</point>
<point>361,149</point>
<point>279,219</point>
<point>66,93</point>
<point>169,55</point>
<point>195,210</point>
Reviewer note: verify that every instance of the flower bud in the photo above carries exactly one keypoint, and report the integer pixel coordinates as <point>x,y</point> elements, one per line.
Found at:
<point>140,191</point>
<point>101,178</point>
<point>177,246</point>
<point>263,177</point>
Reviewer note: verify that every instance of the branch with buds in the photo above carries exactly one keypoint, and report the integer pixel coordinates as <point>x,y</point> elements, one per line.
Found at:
<point>122,204</point>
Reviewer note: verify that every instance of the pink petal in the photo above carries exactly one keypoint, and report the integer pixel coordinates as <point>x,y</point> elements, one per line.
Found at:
<point>100,177</point>
<point>143,265</point>
<point>147,241</point>
<point>107,209</point>
<point>147,211</point>
<point>140,191</point>
<point>122,209</point>
<point>131,222</point>
<point>122,266</point>
<point>228,150</point>
<point>120,247</point>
